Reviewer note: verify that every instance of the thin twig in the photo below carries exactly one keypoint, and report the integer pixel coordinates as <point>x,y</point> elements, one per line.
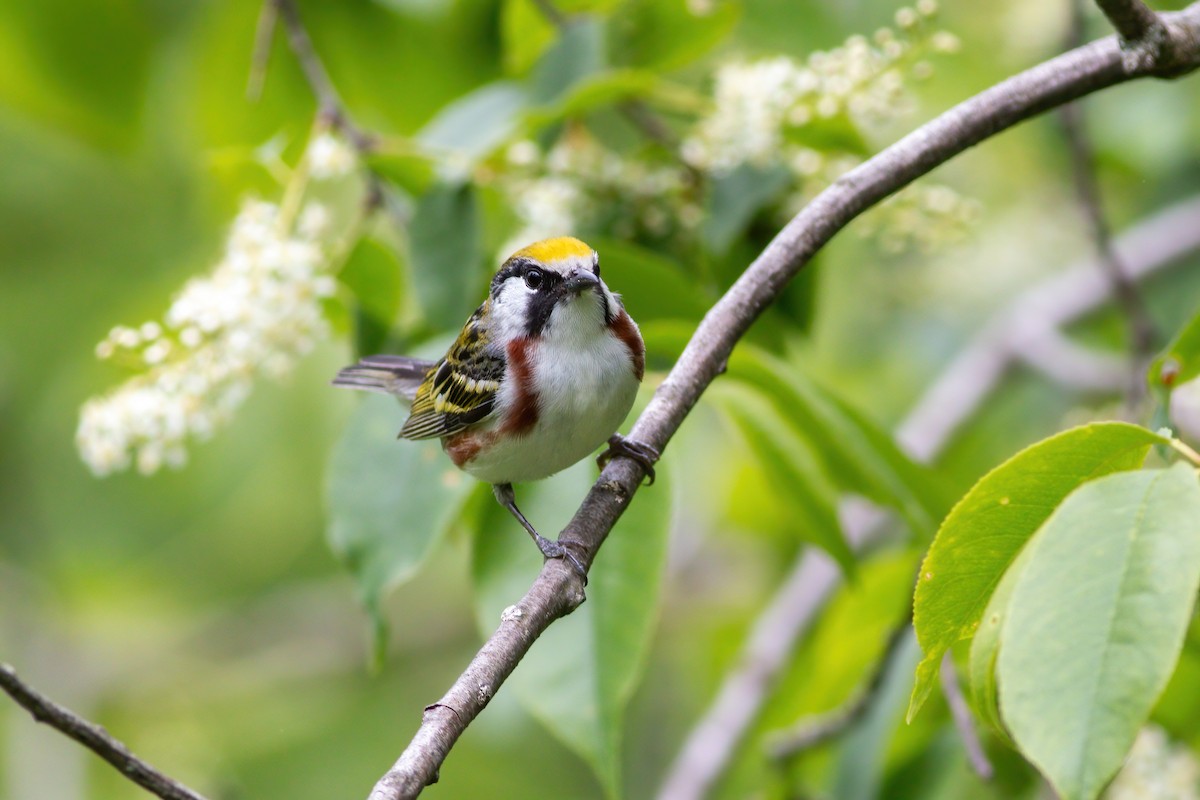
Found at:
<point>964,722</point>
<point>93,737</point>
<point>558,589</point>
<point>264,33</point>
<point>1087,189</point>
<point>813,733</point>
<point>329,102</point>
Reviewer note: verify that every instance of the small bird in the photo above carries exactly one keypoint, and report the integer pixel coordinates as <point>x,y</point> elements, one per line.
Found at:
<point>540,376</point>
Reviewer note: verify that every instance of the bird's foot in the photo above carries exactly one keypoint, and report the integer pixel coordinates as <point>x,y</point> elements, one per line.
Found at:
<point>640,452</point>
<point>553,549</point>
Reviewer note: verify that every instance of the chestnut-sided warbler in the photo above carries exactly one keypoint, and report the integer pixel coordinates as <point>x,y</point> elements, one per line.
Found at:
<point>540,376</point>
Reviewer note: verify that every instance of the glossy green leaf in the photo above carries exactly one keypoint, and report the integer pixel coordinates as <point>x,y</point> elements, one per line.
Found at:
<point>477,123</point>
<point>791,466</point>
<point>1096,622</point>
<point>1179,362</point>
<point>858,455</point>
<point>736,198</point>
<point>447,259</point>
<point>389,501</point>
<point>579,675</point>
<point>983,533</point>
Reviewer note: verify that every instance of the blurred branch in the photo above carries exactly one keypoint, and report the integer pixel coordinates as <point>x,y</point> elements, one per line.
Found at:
<point>329,102</point>
<point>93,737</point>
<point>264,32</point>
<point>1087,189</point>
<point>1034,318</point>
<point>963,720</point>
<point>813,733</point>
<point>558,589</point>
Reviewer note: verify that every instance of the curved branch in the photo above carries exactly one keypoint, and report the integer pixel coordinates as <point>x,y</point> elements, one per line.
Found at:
<point>93,737</point>
<point>557,589</point>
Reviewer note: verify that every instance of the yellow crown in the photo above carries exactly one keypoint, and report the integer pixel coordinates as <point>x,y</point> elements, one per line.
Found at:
<point>557,249</point>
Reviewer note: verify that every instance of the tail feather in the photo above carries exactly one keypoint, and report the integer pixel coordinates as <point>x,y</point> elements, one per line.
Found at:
<point>395,375</point>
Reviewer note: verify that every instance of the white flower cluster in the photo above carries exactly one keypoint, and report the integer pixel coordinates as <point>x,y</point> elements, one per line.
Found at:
<point>757,105</point>
<point>552,194</point>
<point>330,157</point>
<point>256,312</point>
<point>1156,770</point>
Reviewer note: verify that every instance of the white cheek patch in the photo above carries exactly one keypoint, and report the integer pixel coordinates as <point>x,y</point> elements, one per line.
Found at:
<point>508,310</point>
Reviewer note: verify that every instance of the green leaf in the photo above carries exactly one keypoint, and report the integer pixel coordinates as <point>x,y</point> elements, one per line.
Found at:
<point>1096,622</point>
<point>983,533</point>
<point>669,34</point>
<point>736,198</point>
<point>372,273</point>
<point>596,90</point>
<point>477,123</point>
<point>578,53</point>
<point>446,255</point>
<point>413,172</point>
<point>794,470</point>
<point>859,771</point>
<point>986,644</point>
<point>525,33</point>
<point>389,502</point>
<point>1179,362</point>
<point>858,455</point>
<point>579,676</point>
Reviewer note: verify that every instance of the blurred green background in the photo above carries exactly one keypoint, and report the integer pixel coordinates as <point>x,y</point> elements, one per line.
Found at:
<point>200,614</point>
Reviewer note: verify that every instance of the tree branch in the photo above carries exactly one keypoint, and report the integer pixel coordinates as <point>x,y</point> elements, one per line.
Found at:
<point>93,737</point>
<point>963,720</point>
<point>1144,37</point>
<point>557,589</point>
<point>329,102</point>
<point>950,400</point>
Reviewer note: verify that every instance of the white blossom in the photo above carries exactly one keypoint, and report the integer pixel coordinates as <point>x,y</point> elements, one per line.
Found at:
<point>330,157</point>
<point>257,311</point>
<point>756,104</point>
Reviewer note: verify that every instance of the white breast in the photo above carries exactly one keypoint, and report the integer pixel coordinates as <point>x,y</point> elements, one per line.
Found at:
<point>585,389</point>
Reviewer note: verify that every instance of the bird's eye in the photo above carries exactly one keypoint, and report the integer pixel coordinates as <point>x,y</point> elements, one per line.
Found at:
<point>534,278</point>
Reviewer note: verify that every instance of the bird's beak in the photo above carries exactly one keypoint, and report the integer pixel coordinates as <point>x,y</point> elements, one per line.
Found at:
<point>581,279</point>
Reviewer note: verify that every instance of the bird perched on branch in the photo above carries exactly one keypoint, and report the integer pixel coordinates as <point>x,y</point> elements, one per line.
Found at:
<point>541,375</point>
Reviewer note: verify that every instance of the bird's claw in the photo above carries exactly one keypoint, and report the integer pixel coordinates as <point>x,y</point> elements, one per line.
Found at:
<point>640,452</point>
<point>552,549</point>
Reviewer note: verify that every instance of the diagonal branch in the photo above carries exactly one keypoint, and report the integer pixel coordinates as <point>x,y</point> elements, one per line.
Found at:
<point>558,590</point>
<point>954,397</point>
<point>94,738</point>
<point>329,102</point>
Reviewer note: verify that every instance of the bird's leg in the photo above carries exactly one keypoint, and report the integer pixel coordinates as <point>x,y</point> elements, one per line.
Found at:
<point>640,452</point>
<point>505,497</point>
